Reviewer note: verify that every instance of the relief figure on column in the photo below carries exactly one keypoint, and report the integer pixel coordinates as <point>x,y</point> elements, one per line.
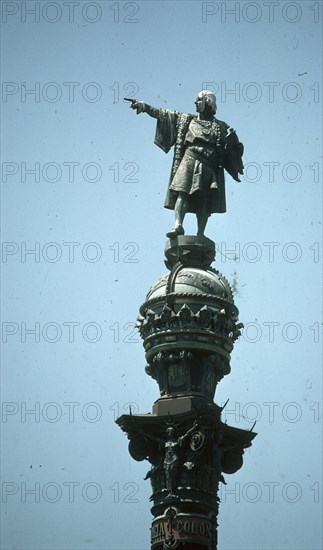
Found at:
<point>172,450</point>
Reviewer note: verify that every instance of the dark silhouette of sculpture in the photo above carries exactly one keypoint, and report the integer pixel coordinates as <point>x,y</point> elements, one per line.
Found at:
<point>171,463</point>
<point>203,148</point>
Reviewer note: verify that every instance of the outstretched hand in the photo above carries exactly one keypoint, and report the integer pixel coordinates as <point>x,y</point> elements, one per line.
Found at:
<point>138,105</point>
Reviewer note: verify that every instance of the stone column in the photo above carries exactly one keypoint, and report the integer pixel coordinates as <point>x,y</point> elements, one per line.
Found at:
<point>188,324</point>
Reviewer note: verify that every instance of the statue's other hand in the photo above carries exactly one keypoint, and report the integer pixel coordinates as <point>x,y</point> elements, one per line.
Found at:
<point>138,105</point>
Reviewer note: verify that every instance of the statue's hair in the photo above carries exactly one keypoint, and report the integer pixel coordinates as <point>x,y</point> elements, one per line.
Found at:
<point>209,98</point>
<point>169,423</point>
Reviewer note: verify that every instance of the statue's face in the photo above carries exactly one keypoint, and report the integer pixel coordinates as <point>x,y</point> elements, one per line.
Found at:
<point>170,432</point>
<point>205,100</point>
<point>200,103</point>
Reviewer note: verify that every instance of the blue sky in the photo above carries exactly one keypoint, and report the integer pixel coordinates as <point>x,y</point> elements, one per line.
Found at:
<point>83,186</point>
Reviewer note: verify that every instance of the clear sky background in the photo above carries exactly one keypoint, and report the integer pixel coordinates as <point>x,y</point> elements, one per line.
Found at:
<point>83,186</point>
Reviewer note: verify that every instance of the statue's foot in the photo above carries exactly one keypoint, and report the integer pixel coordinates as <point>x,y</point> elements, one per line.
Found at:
<point>178,230</point>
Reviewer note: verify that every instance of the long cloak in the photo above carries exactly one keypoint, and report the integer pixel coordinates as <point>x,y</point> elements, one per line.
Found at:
<point>171,131</point>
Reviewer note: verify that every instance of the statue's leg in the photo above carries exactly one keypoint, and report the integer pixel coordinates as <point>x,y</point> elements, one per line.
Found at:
<point>202,214</point>
<point>202,217</point>
<point>180,209</point>
<point>169,480</point>
<point>172,479</point>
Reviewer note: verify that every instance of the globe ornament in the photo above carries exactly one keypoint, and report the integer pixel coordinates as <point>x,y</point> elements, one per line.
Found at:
<point>189,321</point>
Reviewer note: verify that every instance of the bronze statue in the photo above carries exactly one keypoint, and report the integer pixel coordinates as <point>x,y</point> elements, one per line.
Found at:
<point>203,148</point>
<point>172,456</point>
<point>173,447</point>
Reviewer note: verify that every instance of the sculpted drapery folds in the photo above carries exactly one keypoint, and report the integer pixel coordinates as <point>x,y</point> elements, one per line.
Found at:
<point>203,148</point>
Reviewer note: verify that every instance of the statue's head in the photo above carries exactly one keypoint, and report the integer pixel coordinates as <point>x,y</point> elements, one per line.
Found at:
<point>170,432</point>
<point>205,100</point>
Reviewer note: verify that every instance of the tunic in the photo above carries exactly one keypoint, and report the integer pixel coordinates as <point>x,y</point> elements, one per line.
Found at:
<point>202,151</point>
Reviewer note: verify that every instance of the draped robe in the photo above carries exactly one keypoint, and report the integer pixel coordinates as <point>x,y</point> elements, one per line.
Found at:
<point>193,173</point>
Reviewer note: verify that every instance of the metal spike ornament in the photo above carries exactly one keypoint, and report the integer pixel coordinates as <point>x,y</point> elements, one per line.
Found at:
<point>189,324</point>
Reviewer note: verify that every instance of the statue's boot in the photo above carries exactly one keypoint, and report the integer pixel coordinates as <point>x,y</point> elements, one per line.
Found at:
<point>178,230</point>
<point>180,211</point>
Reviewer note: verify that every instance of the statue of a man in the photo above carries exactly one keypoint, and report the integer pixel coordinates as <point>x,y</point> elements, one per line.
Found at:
<point>173,449</point>
<point>171,463</point>
<point>203,148</point>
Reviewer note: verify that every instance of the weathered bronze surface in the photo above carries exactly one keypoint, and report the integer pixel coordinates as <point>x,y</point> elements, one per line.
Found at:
<point>189,325</point>
<point>203,148</point>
